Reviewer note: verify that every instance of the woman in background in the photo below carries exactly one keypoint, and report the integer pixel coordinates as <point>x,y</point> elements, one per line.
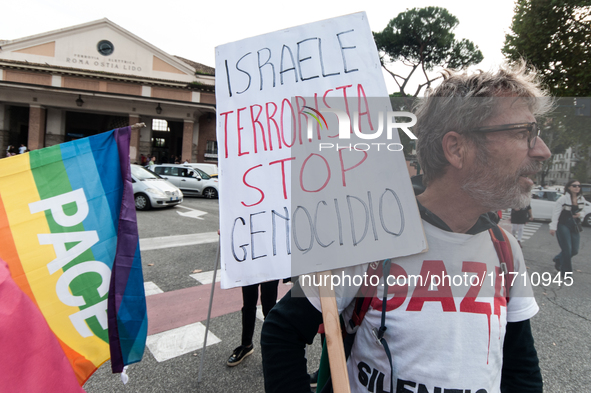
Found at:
<point>564,224</point>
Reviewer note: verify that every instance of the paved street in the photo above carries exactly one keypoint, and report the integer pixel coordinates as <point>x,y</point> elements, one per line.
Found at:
<point>178,255</point>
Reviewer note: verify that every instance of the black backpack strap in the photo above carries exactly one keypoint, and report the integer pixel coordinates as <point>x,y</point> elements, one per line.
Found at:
<point>379,333</point>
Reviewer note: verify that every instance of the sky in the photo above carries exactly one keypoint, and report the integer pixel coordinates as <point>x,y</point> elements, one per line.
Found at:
<point>193,28</point>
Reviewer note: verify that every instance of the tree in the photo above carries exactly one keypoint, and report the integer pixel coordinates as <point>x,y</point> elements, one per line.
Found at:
<point>552,134</point>
<point>423,38</point>
<point>554,36</point>
<point>581,172</point>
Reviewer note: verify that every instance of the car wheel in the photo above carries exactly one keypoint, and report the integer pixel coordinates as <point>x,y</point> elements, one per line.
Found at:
<point>142,202</point>
<point>210,193</point>
<point>587,220</point>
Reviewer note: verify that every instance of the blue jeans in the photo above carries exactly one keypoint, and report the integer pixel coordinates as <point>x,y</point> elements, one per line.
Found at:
<point>569,247</point>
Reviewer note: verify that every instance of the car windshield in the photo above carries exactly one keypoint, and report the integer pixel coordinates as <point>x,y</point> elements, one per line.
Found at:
<point>142,173</point>
<point>203,175</point>
<point>551,196</point>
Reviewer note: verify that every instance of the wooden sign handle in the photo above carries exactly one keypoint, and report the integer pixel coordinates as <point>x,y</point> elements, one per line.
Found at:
<point>334,338</point>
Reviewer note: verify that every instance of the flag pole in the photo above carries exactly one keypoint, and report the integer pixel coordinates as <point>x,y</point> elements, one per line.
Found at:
<point>215,271</point>
<point>334,337</point>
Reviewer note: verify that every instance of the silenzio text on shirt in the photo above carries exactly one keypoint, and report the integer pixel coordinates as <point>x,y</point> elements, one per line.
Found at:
<point>435,280</point>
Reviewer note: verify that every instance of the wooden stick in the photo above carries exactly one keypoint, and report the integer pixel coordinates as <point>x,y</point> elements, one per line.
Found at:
<point>334,337</point>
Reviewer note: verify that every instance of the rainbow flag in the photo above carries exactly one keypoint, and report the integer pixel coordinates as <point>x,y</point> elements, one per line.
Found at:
<point>68,232</point>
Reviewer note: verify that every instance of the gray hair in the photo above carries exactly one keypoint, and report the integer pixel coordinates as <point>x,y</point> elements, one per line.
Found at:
<point>463,102</point>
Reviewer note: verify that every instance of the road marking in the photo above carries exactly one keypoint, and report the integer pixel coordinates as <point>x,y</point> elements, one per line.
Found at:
<point>193,214</point>
<point>207,277</point>
<point>179,341</point>
<point>528,231</point>
<point>151,289</point>
<point>173,309</point>
<point>260,314</point>
<point>174,317</point>
<point>157,243</point>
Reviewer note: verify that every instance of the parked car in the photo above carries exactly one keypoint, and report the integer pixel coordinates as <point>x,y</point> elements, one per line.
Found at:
<point>586,190</point>
<point>210,169</point>
<point>542,205</point>
<point>191,181</point>
<point>151,190</point>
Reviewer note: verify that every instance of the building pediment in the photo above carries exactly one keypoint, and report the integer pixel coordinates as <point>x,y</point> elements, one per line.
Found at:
<point>103,46</point>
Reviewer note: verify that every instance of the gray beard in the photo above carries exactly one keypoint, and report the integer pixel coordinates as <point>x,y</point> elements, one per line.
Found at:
<point>494,191</point>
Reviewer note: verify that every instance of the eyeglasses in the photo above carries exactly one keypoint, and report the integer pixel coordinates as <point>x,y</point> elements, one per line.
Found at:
<point>532,128</point>
<point>576,185</point>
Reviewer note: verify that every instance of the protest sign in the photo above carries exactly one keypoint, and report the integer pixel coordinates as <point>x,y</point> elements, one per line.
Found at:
<point>68,233</point>
<point>311,169</point>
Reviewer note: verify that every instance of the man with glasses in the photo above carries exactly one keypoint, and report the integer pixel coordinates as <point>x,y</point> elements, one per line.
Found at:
<point>478,143</point>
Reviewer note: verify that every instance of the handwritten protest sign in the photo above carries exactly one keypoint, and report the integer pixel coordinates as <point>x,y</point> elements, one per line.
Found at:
<point>311,168</point>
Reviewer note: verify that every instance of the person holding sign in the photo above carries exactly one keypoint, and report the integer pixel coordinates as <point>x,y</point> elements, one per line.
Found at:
<point>455,318</point>
<point>250,296</point>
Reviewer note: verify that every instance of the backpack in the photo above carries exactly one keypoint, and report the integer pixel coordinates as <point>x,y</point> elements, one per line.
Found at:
<point>368,292</point>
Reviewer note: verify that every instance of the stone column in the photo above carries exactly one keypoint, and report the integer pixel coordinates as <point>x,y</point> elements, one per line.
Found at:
<point>4,130</point>
<point>36,127</point>
<point>146,138</point>
<point>187,141</point>
<point>134,146</point>
<point>207,132</point>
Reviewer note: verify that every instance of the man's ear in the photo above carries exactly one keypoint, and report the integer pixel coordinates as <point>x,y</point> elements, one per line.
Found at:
<point>454,148</point>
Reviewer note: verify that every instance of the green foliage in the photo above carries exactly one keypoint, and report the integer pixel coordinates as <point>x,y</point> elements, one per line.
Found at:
<point>554,36</point>
<point>401,103</point>
<point>423,38</point>
<point>580,172</point>
<point>562,128</point>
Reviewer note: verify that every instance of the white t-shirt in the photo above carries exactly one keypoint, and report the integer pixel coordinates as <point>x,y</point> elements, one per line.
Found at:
<point>447,336</point>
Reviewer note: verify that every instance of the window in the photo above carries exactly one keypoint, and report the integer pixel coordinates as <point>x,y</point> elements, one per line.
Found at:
<point>160,125</point>
<point>162,170</point>
<point>158,142</point>
<point>211,149</point>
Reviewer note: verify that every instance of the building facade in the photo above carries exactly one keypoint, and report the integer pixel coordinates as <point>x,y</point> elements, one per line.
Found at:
<point>90,78</point>
<point>561,167</point>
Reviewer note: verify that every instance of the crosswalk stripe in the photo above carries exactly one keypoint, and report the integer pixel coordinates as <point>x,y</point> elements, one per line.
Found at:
<point>529,229</point>
<point>207,277</point>
<point>179,341</point>
<point>157,243</point>
<point>151,289</point>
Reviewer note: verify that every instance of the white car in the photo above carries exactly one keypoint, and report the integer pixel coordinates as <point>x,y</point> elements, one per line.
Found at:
<point>542,205</point>
<point>150,190</point>
<point>191,181</point>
